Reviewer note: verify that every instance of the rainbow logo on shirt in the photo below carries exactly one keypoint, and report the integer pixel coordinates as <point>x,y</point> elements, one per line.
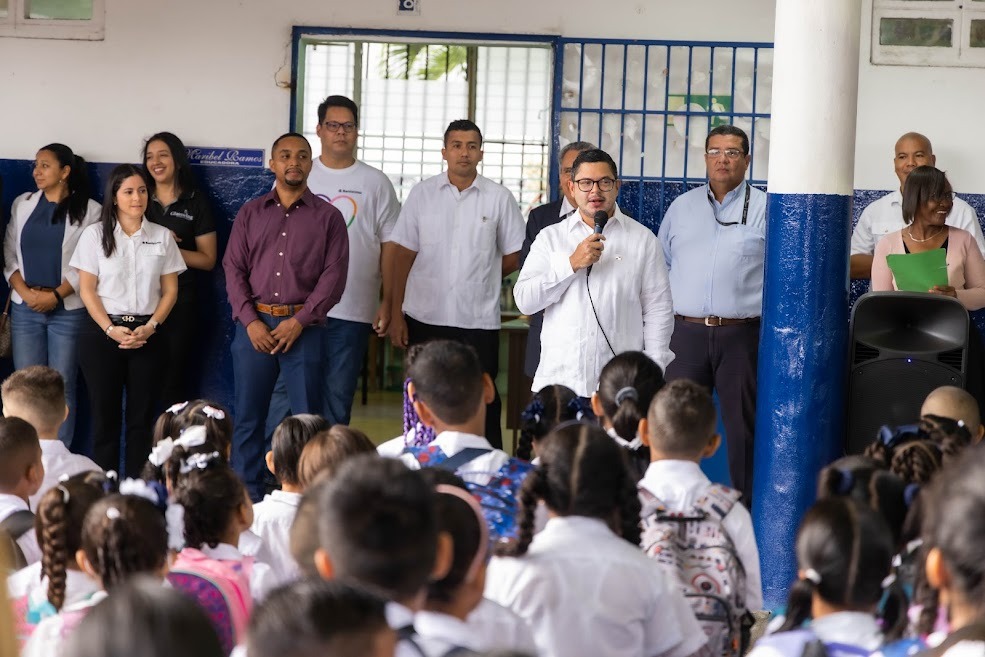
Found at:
<point>344,204</point>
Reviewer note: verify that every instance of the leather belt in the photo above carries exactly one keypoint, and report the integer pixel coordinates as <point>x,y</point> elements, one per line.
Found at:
<point>41,288</point>
<point>281,310</point>
<point>127,320</point>
<point>712,320</point>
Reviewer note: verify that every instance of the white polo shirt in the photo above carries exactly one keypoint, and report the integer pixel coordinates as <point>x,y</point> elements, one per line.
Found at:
<point>59,461</point>
<point>460,238</point>
<point>365,197</point>
<point>885,215</point>
<point>272,520</point>
<point>130,279</point>
<point>585,592</point>
<point>629,287</point>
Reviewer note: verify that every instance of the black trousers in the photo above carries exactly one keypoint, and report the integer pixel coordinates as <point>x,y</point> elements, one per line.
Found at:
<point>486,343</point>
<point>182,353</point>
<point>109,373</point>
<point>724,359</point>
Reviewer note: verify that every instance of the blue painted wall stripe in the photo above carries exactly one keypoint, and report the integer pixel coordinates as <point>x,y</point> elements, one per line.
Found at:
<point>802,365</point>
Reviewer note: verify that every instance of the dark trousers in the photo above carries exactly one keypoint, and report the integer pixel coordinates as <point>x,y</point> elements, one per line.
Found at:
<point>255,375</point>
<point>724,359</point>
<point>182,351</point>
<point>109,373</point>
<point>486,343</point>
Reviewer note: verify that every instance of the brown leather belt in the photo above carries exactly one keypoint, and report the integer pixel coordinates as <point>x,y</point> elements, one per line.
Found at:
<point>41,288</point>
<point>279,310</point>
<point>717,321</point>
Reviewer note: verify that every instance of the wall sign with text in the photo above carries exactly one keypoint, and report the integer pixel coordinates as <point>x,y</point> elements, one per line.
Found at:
<point>226,157</point>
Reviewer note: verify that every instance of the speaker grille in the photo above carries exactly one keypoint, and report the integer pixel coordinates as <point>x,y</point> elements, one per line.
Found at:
<point>864,352</point>
<point>953,358</point>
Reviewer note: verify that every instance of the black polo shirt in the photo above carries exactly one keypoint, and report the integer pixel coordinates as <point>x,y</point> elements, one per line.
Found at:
<point>189,217</point>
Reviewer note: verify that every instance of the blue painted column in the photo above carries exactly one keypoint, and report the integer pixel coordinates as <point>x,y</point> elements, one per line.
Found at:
<point>802,356</point>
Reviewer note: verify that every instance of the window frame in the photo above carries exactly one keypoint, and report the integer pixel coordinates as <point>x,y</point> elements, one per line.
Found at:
<point>17,26</point>
<point>960,54</point>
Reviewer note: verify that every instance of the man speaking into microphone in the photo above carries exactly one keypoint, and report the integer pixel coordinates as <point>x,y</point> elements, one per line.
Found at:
<point>601,280</point>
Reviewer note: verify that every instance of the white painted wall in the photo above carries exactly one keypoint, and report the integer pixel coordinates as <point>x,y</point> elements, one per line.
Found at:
<point>213,72</point>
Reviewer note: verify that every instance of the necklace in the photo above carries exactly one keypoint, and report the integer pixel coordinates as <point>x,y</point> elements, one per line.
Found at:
<point>910,233</point>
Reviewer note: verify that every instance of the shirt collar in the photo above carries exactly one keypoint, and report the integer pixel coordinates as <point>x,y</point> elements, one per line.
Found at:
<point>222,552</point>
<point>53,447</point>
<point>119,233</point>
<point>452,442</point>
<point>13,503</point>
<point>307,198</point>
<point>292,499</point>
<point>660,471</point>
<point>581,526</point>
<point>398,616</point>
<point>445,628</point>
<point>445,182</point>
<point>566,207</point>
<point>896,197</point>
<point>729,197</point>
<point>575,220</point>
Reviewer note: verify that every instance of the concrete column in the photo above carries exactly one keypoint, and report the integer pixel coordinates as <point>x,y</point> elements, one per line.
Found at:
<point>803,349</point>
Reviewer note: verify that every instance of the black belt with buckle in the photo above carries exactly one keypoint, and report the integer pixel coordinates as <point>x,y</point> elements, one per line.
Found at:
<point>129,321</point>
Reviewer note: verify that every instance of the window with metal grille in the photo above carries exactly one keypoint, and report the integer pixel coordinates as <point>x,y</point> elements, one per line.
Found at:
<point>928,32</point>
<point>409,90</point>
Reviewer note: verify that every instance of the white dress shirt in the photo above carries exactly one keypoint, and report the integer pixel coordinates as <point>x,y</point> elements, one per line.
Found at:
<point>885,215</point>
<point>630,290</point>
<point>678,484</point>
<point>440,633</point>
<point>59,461</point>
<point>13,258</point>
<point>715,269</point>
<point>262,579</point>
<point>365,197</point>
<point>853,628</point>
<point>587,592</point>
<point>480,469</point>
<point>28,542</point>
<point>497,628</point>
<point>460,238</point>
<point>272,520</point>
<point>130,279</point>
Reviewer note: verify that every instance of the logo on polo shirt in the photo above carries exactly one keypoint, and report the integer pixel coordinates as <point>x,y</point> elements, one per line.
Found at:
<point>181,215</point>
<point>152,243</point>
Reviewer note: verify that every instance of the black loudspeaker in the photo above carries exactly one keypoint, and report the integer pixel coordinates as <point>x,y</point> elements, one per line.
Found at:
<point>903,346</point>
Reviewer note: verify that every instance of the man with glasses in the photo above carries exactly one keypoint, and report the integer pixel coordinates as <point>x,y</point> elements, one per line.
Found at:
<point>540,218</point>
<point>885,215</point>
<point>457,236</point>
<point>714,240</point>
<point>602,293</point>
<point>368,203</point>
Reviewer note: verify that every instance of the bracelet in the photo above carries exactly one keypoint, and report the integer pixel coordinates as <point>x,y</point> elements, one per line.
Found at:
<point>110,328</point>
<point>54,291</point>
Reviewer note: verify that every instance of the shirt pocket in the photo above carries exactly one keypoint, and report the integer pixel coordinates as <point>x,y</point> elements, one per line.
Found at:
<point>483,236</point>
<point>751,244</point>
<point>113,276</point>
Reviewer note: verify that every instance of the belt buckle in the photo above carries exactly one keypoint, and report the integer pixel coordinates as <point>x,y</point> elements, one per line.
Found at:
<point>128,318</point>
<point>717,322</point>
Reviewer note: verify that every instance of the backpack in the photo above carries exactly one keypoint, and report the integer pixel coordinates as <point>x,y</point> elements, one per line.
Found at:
<point>697,549</point>
<point>14,526</point>
<point>497,497</point>
<point>221,589</point>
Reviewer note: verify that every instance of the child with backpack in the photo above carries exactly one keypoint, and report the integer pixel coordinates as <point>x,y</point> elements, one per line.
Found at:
<point>124,534</point>
<point>175,438</point>
<point>844,586</point>
<point>627,385</point>
<point>582,583</point>
<point>21,474</point>
<point>690,523</point>
<point>549,407</point>
<point>450,393</point>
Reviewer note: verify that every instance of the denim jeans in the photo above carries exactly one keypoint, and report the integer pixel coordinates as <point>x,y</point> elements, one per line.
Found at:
<point>50,339</point>
<point>343,351</point>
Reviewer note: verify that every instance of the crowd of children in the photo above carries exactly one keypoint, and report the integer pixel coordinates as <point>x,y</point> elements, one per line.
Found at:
<point>601,537</point>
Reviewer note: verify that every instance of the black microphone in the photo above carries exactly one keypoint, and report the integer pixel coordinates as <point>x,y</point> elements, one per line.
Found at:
<point>601,218</point>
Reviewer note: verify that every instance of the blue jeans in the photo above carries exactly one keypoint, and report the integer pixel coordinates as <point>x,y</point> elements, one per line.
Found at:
<point>49,339</point>
<point>255,375</point>
<point>343,351</point>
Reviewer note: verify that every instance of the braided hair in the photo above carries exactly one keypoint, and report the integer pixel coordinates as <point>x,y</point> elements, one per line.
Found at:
<point>416,433</point>
<point>549,407</point>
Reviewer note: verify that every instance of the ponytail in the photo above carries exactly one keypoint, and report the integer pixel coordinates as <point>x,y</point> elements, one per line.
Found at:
<point>799,602</point>
<point>76,203</point>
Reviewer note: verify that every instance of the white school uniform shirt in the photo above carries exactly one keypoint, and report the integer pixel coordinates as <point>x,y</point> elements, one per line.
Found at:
<point>678,484</point>
<point>28,582</point>
<point>130,279</point>
<point>13,258</point>
<point>586,592</point>
<point>28,542</point>
<point>630,290</point>
<point>437,634</point>
<point>480,469</point>
<point>460,238</point>
<point>368,203</point>
<point>497,628</point>
<point>47,639</point>
<point>59,461</point>
<point>262,579</point>
<point>885,215</point>
<point>398,617</point>
<point>854,628</point>
<point>272,520</point>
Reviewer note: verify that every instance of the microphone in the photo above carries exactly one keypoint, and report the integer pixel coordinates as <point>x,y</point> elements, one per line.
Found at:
<point>601,218</point>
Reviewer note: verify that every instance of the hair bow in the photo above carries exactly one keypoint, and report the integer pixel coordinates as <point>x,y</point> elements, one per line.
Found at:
<point>193,436</point>
<point>174,409</point>
<point>153,492</point>
<point>197,462</point>
<point>577,407</point>
<point>161,452</point>
<point>214,413</point>
<point>533,412</point>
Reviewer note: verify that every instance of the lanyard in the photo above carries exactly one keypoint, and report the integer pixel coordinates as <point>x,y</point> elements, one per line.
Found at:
<point>745,209</point>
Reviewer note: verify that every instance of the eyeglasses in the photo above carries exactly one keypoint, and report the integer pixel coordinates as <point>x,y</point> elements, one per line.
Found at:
<point>333,126</point>
<point>730,153</point>
<point>586,184</point>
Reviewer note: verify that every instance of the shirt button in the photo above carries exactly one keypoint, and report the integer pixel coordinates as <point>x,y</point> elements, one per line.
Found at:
<point>287,214</point>
<point>276,295</point>
<point>284,234</point>
<point>278,273</point>
<point>281,253</point>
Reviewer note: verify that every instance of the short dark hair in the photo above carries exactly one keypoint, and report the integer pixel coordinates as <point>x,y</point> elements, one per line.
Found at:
<point>462,125</point>
<point>19,450</point>
<point>313,617</point>
<point>681,418</point>
<point>377,524</point>
<point>579,146</point>
<point>447,376</point>
<point>327,450</point>
<point>159,622</point>
<point>40,391</point>
<point>638,378</point>
<point>460,520</point>
<point>288,135</point>
<point>338,101</point>
<point>182,169</point>
<point>732,131</point>
<point>925,183</point>
<point>591,156</point>
<point>288,442</point>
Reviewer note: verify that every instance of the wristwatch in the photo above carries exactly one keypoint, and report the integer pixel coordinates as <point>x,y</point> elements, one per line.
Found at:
<point>153,323</point>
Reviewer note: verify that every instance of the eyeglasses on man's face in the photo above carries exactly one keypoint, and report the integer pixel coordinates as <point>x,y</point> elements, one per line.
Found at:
<point>730,153</point>
<point>333,126</point>
<point>586,184</point>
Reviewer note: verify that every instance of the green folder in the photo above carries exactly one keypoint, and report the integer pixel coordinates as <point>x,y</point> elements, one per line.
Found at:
<point>918,272</point>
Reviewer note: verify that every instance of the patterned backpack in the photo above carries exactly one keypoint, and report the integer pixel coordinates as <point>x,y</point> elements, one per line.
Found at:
<point>221,588</point>
<point>694,546</point>
<point>497,497</point>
